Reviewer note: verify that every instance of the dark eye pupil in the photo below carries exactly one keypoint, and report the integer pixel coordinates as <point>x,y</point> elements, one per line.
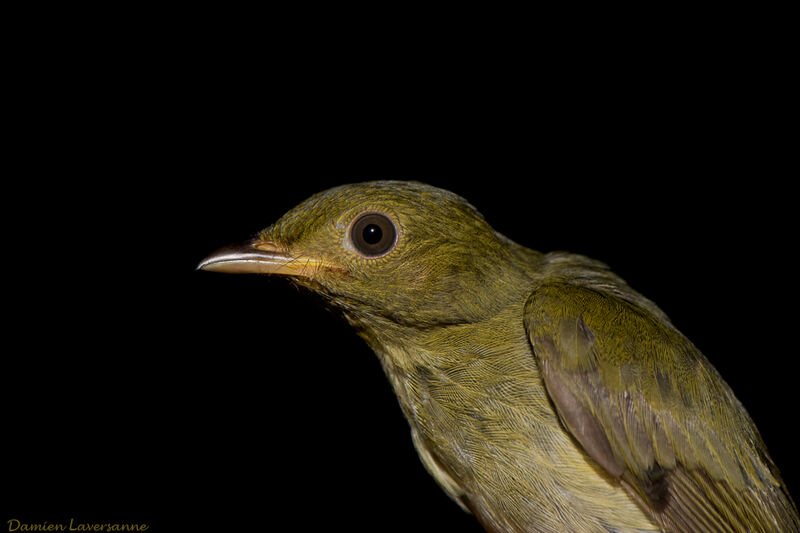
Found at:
<point>372,234</point>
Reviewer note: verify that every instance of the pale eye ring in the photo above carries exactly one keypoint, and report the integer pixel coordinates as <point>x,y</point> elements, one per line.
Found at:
<point>373,234</point>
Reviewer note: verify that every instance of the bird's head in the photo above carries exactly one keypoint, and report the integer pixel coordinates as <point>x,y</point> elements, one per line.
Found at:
<point>384,251</point>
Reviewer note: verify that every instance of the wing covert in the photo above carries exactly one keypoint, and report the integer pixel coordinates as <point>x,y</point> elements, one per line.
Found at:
<point>647,406</point>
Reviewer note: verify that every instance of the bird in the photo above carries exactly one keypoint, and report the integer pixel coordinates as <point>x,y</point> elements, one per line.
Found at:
<point>542,392</point>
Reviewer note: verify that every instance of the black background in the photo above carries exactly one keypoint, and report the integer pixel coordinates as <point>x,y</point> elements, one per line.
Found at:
<point>136,389</point>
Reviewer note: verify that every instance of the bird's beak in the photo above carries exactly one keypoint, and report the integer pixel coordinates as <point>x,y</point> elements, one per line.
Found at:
<point>261,257</point>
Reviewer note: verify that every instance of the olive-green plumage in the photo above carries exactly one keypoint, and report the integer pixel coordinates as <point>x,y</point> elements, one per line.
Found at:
<point>543,393</point>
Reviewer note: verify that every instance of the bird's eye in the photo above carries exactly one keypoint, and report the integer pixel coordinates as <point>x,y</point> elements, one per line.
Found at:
<point>373,234</point>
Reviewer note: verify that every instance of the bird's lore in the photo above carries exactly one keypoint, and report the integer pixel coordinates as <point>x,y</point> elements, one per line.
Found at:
<point>15,524</point>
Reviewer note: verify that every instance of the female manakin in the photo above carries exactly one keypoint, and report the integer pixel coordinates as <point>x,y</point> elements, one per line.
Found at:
<point>543,393</point>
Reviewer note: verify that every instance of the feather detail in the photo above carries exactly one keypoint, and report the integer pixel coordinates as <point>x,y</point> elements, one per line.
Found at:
<point>649,408</point>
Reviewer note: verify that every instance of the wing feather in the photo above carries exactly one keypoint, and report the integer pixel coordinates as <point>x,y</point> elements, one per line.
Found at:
<point>647,406</point>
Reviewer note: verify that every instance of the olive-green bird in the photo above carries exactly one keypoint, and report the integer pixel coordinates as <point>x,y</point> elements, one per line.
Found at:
<point>543,393</point>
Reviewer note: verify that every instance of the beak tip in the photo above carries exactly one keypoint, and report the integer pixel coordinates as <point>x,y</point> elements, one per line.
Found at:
<point>228,258</point>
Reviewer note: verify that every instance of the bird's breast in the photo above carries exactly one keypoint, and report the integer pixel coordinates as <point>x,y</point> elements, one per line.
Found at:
<point>479,410</point>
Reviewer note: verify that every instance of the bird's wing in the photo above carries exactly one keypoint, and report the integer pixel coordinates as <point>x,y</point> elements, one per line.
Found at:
<point>647,406</point>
